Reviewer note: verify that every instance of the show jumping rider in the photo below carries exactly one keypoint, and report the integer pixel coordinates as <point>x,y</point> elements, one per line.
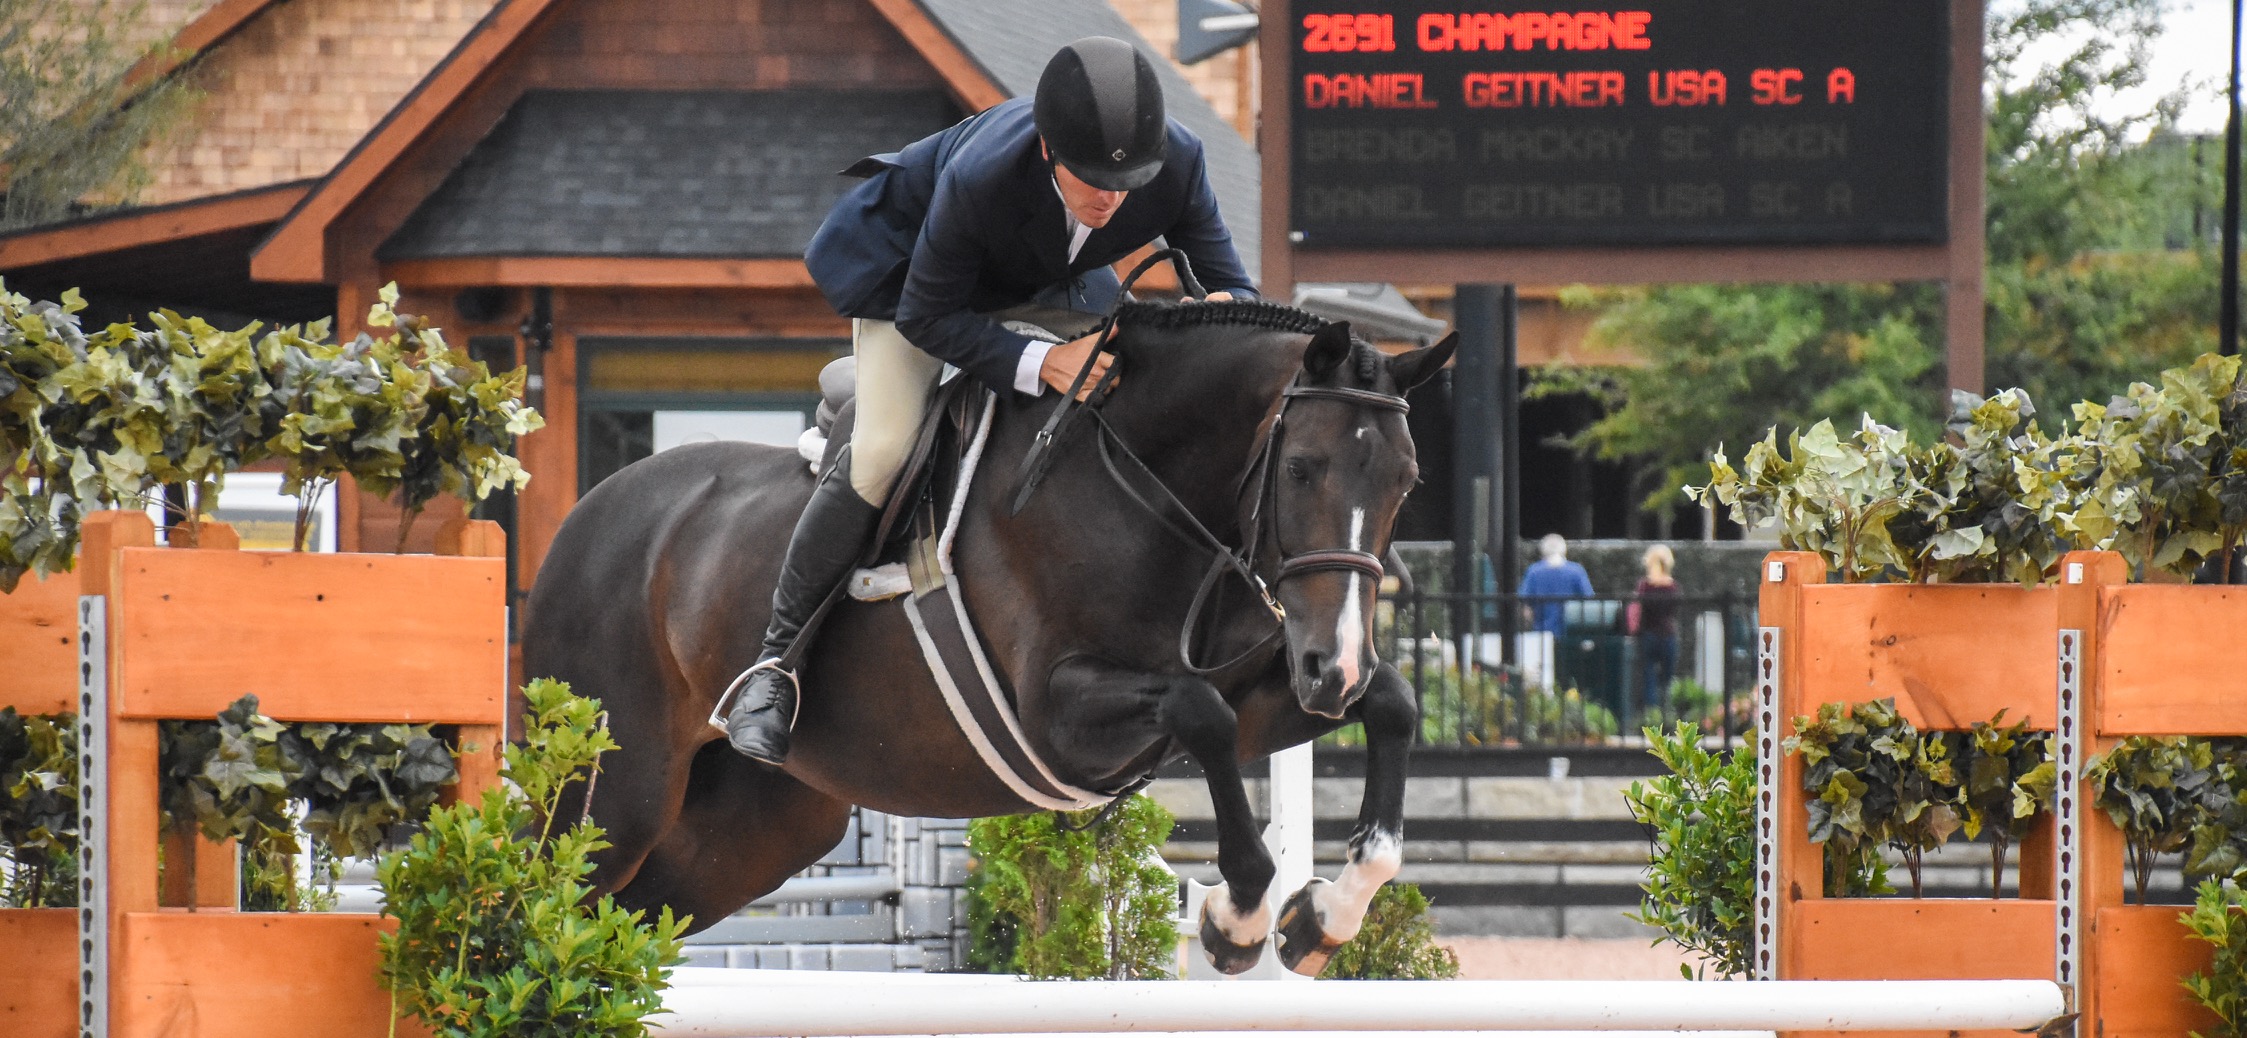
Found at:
<point>1023,206</point>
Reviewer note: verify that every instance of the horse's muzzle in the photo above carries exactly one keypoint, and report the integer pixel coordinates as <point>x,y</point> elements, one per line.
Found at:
<point>1323,687</point>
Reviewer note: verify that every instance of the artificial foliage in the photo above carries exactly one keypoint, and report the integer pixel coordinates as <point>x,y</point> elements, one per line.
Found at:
<point>1873,780</point>
<point>498,936</point>
<point>1397,941</point>
<point>110,417</point>
<point>247,777</point>
<point>1082,903</point>
<point>38,810</point>
<point>2157,791</point>
<point>1700,825</point>
<point>2219,917</point>
<point>2008,777</point>
<point>2158,474</point>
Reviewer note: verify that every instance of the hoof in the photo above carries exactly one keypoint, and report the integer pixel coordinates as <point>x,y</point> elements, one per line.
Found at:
<point>1304,945</point>
<point>1230,959</point>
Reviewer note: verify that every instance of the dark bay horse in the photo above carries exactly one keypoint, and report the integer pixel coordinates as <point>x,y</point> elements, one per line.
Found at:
<point>656,588</point>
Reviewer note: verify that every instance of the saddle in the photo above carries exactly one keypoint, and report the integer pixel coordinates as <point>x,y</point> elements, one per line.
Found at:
<point>904,554</point>
<point>909,558</point>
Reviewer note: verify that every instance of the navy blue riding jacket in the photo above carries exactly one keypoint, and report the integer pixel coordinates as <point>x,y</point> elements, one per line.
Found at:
<point>968,221</point>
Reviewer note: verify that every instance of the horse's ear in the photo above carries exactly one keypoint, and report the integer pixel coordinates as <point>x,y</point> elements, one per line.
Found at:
<point>1412,368</point>
<point>1330,346</point>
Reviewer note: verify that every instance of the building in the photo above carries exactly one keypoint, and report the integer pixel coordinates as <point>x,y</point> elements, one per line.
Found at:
<point>616,194</point>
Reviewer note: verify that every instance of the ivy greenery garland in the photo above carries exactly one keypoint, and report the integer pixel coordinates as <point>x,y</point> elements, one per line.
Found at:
<point>106,418</point>
<point>241,776</point>
<point>2158,474</point>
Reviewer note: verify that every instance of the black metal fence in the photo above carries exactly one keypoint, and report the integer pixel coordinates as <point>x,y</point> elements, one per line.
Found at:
<point>1509,670</point>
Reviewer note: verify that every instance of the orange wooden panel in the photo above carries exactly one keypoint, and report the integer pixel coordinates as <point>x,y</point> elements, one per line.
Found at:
<point>2143,953</point>
<point>250,975</point>
<point>471,538</point>
<point>1950,655</point>
<point>345,638</point>
<point>38,662</point>
<point>199,872</point>
<point>1921,939</point>
<point>38,956</point>
<point>2162,668</point>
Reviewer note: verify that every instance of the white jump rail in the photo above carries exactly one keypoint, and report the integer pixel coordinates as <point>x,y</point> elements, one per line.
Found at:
<point>778,1005</point>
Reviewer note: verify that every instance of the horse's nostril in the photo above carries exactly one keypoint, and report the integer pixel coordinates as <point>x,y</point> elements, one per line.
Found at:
<point>1314,665</point>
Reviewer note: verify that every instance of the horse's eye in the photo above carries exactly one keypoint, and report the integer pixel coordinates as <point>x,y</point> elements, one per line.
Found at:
<point>1299,470</point>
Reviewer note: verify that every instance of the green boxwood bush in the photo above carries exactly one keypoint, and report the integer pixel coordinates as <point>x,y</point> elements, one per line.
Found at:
<point>497,934</point>
<point>1057,901</point>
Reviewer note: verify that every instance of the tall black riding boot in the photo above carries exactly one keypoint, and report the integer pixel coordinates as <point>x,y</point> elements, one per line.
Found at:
<point>828,540</point>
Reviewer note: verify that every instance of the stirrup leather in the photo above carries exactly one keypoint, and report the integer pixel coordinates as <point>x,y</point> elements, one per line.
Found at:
<point>717,718</point>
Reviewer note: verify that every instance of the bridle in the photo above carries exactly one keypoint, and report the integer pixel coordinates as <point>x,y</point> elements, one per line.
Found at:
<point>1242,561</point>
<point>1262,522</point>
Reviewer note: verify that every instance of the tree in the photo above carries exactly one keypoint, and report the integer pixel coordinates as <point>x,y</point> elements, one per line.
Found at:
<point>76,122</point>
<point>2087,286</point>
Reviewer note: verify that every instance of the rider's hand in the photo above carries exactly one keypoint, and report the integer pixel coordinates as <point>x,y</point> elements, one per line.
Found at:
<point>1062,362</point>
<point>1219,296</point>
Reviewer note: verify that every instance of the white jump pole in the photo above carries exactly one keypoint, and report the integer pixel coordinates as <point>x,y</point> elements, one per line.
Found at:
<point>771,1008</point>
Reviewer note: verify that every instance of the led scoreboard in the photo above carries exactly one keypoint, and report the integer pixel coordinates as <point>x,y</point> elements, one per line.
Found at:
<point>1461,124</point>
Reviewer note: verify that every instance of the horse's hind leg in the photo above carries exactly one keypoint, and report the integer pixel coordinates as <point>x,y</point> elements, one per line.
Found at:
<point>1322,916</point>
<point>744,829</point>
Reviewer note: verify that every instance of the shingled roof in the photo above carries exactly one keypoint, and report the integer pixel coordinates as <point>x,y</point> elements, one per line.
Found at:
<point>750,174</point>
<point>661,173</point>
<point>1012,39</point>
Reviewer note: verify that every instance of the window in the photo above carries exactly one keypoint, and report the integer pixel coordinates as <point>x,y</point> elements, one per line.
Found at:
<point>637,396</point>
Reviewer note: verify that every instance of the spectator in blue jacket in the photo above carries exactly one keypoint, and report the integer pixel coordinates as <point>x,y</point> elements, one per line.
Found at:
<point>1023,206</point>
<point>1549,582</point>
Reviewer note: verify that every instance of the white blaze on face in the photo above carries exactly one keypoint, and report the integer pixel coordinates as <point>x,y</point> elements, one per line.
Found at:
<point>1341,905</point>
<point>1349,634</point>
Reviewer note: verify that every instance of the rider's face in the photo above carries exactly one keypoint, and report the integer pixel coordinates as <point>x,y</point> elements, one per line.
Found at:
<point>1090,205</point>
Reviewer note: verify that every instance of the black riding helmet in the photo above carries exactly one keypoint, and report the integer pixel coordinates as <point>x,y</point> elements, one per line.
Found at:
<point>1100,110</point>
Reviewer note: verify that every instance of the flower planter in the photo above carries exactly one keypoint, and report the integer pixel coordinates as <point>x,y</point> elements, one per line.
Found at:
<point>339,638</point>
<point>2120,659</point>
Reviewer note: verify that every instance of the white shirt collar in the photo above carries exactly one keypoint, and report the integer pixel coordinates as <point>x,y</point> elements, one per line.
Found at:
<point>1078,232</point>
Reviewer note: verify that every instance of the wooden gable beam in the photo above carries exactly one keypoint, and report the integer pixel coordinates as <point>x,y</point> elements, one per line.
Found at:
<point>150,226</point>
<point>207,30</point>
<point>600,272</point>
<point>969,82</point>
<point>297,251</point>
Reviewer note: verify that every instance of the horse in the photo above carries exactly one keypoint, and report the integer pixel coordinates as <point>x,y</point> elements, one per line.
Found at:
<point>658,584</point>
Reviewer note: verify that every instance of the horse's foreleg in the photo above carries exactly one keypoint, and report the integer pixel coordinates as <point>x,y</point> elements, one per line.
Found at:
<point>1236,920</point>
<point>1322,916</point>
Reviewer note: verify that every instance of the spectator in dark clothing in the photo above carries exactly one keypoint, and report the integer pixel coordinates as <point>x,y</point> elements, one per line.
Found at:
<point>1653,621</point>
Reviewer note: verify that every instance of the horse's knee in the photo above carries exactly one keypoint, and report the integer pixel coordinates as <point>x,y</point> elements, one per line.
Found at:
<point>1389,706</point>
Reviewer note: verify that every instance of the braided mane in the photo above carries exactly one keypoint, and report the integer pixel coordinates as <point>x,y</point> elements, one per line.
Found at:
<point>1245,313</point>
<point>1251,313</point>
